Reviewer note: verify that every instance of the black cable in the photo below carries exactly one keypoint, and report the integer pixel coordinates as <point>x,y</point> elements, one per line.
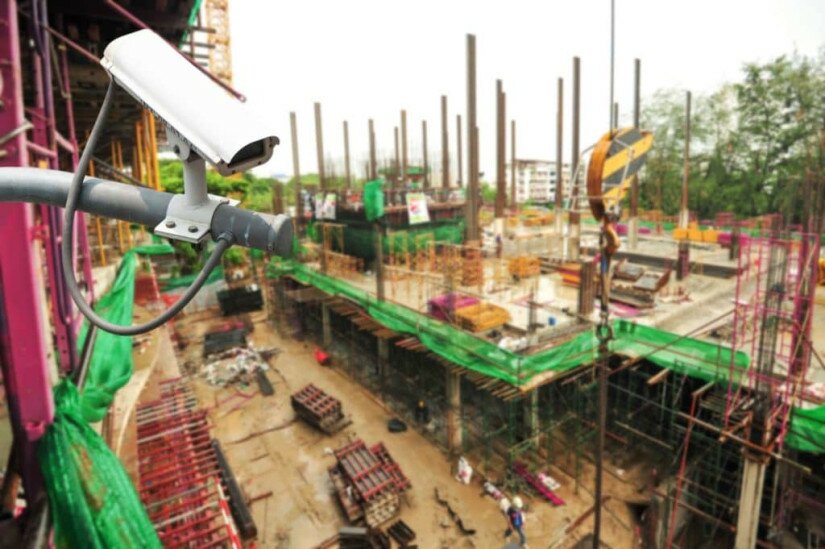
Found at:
<point>224,241</point>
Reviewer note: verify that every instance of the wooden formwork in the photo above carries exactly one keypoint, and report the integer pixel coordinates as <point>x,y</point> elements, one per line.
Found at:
<point>319,409</point>
<point>368,482</point>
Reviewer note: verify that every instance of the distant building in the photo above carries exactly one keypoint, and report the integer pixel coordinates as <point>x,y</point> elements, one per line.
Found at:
<point>536,180</point>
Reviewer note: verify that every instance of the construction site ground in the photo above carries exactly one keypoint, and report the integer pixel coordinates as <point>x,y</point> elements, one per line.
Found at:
<point>269,450</point>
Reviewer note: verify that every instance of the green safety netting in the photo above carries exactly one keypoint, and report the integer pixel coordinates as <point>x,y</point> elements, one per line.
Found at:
<point>93,501</point>
<point>807,432</point>
<point>693,357</point>
<point>185,281</point>
<point>374,199</point>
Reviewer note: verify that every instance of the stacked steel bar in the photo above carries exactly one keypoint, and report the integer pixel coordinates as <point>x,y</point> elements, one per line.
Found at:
<point>370,479</point>
<point>180,477</point>
<point>319,409</point>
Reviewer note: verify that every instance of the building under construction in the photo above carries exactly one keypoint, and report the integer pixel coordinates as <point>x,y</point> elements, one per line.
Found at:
<point>668,391</point>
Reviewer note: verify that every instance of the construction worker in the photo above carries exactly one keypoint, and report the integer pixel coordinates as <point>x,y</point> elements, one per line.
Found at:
<point>422,412</point>
<point>515,520</point>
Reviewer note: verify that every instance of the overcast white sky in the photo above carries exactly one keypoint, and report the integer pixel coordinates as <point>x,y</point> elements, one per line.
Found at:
<point>369,58</point>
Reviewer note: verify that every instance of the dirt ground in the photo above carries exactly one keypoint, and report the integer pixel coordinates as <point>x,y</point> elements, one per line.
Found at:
<point>291,461</point>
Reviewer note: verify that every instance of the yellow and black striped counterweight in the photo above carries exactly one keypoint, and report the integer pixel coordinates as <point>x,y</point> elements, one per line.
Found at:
<point>616,158</point>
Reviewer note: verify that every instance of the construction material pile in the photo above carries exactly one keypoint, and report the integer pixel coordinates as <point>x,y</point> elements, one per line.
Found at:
<point>319,409</point>
<point>524,266</point>
<point>368,482</point>
<point>238,365</point>
<point>482,317</point>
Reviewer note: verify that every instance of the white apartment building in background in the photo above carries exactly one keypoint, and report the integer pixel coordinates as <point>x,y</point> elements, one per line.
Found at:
<point>536,180</point>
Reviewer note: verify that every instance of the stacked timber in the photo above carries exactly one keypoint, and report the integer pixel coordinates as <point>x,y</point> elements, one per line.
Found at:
<point>368,482</point>
<point>482,317</point>
<point>524,266</point>
<point>319,409</point>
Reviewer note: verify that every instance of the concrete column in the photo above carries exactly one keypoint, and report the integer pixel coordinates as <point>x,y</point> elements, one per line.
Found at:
<point>574,230</point>
<point>383,357</point>
<point>750,500</point>
<point>454,424</point>
<point>531,416</point>
<point>326,326</point>
<point>633,224</point>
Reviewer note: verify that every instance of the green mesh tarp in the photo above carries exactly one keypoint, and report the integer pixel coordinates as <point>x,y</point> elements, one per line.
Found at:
<point>185,281</point>
<point>807,431</point>
<point>91,496</point>
<point>374,199</point>
<point>693,357</point>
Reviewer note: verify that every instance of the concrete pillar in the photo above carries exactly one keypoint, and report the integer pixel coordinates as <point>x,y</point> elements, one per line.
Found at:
<point>683,260</point>
<point>383,357</point>
<point>633,230</point>
<point>531,416</point>
<point>587,288</point>
<point>750,500</point>
<point>454,424</point>
<point>574,230</point>
<point>326,326</point>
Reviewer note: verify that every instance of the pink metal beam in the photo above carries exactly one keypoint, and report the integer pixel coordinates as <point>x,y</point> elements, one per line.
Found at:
<point>26,366</point>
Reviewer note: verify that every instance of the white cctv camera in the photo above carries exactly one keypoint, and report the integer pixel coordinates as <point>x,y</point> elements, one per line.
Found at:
<point>204,123</point>
<point>217,126</point>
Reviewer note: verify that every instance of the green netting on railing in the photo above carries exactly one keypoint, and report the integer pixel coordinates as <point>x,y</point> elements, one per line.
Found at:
<point>92,499</point>
<point>692,357</point>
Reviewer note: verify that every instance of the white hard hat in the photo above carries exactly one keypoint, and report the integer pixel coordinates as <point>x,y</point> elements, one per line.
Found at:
<point>517,503</point>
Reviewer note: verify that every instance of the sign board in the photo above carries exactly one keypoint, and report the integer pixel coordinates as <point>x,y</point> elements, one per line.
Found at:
<point>417,208</point>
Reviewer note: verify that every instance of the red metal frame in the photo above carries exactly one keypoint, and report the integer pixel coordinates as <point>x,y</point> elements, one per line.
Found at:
<point>179,472</point>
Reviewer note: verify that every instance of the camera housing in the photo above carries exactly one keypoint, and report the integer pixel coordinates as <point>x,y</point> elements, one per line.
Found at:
<point>217,126</point>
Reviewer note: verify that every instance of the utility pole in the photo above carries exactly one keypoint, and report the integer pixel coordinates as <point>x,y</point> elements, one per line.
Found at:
<point>445,146</point>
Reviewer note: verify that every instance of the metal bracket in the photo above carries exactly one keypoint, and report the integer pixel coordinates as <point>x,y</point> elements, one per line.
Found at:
<point>189,215</point>
<point>190,223</point>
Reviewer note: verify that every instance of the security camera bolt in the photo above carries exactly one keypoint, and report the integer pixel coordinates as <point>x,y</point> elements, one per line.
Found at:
<point>193,229</point>
<point>170,224</point>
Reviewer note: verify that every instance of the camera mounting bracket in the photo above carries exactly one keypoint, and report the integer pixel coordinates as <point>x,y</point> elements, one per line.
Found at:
<point>189,215</point>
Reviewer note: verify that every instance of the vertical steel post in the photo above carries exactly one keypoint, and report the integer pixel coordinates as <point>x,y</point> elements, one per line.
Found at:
<point>513,166</point>
<point>319,147</point>
<point>296,170</point>
<point>445,145</point>
<point>574,220</point>
<point>23,344</point>
<point>684,213</point>
<point>501,148</point>
<point>404,157</point>
<point>346,155</point>
<point>397,167</point>
<point>472,161</point>
<point>459,152</point>
<point>426,159</point>
<point>373,163</point>
<point>633,228</point>
<point>559,155</point>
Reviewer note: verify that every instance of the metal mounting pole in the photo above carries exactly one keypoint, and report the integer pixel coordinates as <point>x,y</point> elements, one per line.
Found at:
<point>346,155</point>
<point>501,178</point>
